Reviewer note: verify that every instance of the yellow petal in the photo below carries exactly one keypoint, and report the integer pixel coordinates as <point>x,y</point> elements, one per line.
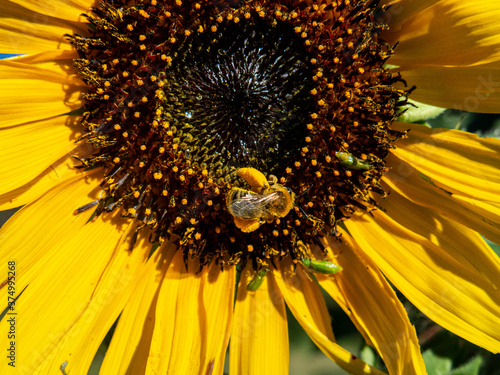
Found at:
<point>67,10</point>
<point>192,320</point>
<point>306,303</point>
<point>24,31</point>
<point>56,174</point>
<point>450,33</point>
<point>259,339</point>
<point>111,288</point>
<point>129,348</point>
<point>61,260</point>
<point>443,268</point>
<point>449,49</point>
<point>30,93</point>
<point>376,310</point>
<point>28,150</point>
<point>482,217</point>
<point>472,89</point>
<point>456,161</point>
<point>303,296</point>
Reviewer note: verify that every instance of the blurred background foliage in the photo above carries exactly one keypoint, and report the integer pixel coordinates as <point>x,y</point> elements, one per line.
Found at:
<point>444,353</point>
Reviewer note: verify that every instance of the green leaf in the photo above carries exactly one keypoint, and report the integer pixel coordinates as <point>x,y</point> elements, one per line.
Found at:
<point>436,365</point>
<point>368,355</point>
<point>470,368</point>
<point>494,246</point>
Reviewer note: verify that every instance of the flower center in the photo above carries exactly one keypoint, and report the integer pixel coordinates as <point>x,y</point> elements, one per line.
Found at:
<point>239,97</point>
<point>183,94</point>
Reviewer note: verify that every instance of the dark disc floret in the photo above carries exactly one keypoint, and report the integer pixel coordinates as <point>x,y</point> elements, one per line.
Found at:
<point>181,94</point>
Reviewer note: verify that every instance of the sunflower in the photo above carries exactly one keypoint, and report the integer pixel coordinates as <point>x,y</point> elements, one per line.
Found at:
<point>189,168</point>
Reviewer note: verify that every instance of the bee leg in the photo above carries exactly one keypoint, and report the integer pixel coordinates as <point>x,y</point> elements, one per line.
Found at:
<point>247,226</point>
<point>272,179</point>
<point>254,178</point>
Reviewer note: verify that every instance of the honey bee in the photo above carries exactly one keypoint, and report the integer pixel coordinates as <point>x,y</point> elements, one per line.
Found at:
<point>266,201</point>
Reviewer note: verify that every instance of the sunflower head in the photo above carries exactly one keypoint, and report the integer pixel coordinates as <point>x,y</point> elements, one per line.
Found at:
<point>183,95</point>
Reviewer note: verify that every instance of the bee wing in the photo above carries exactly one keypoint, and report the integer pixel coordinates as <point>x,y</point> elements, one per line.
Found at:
<point>253,206</point>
